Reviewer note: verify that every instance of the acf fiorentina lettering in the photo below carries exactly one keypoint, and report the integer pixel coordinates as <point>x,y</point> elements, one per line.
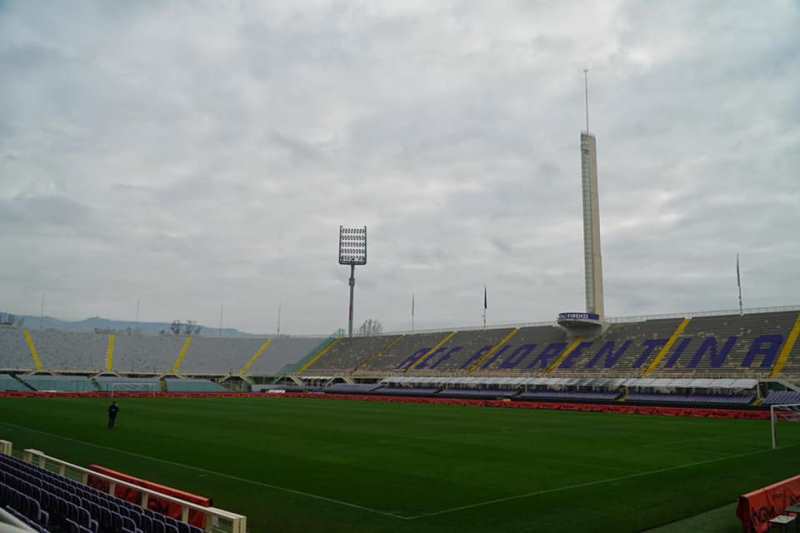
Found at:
<point>690,352</point>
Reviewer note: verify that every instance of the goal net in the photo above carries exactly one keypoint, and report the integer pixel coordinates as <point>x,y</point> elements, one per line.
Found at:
<point>151,388</point>
<point>788,412</point>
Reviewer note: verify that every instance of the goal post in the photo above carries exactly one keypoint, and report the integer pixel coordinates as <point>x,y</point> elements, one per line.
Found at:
<point>152,388</point>
<point>785,412</point>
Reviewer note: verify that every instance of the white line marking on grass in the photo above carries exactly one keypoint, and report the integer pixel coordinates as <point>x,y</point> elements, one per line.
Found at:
<point>213,472</point>
<point>589,484</point>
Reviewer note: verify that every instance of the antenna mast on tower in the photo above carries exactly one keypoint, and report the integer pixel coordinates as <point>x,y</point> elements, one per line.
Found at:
<point>586,86</point>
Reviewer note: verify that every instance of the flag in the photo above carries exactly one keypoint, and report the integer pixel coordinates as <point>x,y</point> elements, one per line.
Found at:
<point>485,306</point>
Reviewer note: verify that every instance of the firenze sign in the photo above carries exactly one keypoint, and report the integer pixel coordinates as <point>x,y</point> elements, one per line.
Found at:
<point>578,316</point>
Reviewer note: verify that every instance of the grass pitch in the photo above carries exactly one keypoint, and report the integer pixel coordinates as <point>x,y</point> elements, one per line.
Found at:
<point>297,465</point>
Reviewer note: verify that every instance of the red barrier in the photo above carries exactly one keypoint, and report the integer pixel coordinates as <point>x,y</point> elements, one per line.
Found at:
<point>652,410</point>
<point>757,508</point>
<point>581,407</point>
<point>159,505</point>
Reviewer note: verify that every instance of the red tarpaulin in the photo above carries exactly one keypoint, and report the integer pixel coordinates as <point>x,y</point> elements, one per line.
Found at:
<point>757,507</point>
<point>159,505</point>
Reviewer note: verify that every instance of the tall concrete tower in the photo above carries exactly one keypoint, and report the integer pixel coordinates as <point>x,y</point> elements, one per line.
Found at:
<point>593,261</point>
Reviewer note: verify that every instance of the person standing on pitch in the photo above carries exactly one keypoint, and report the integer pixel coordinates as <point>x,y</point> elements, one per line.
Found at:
<point>112,414</point>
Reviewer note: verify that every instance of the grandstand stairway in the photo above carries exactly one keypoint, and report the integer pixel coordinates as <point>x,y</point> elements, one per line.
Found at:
<point>491,353</point>
<point>432,351</point>
<point>187,344</point>
<point>790,346</point>
<point>256,356</point>
<point>37,360</point>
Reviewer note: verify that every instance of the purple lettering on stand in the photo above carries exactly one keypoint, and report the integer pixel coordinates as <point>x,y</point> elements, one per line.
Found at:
<point>766,345</point>
<point>519,354</point>
<point>493,358</point>
<point>446,356</point>
<point>410,360</point>
<point>569,362</point>
<point>710,346</point>
<point>650,346</point>
<point>678,352</point>
<point>608,352</point>
<point>477,355</point>
<point>424,364</point>
<point>548,355</point>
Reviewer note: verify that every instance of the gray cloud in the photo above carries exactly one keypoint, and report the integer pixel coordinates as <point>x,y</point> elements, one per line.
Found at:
<point>191,154</point>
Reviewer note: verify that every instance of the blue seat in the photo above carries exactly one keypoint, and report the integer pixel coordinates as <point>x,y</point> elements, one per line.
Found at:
<point>159,527</point>
<point>128,523</point>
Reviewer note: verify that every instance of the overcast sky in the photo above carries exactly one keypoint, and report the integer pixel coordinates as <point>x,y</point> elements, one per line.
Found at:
<point>192,154</point>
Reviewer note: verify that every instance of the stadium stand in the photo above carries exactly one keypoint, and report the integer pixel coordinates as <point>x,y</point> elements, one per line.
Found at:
<point>724,346</point>
<point>192,385</point>
<point>71,351</point>
<point>519,354</point>
<point>58,383</point>
<point>348,353</point>
<point>407,391</point>
<point>14,353</point>
<point>122,384</point>
<point>352,388</point>
<point>625,347</point>
<point>729,345</point>
<point>400,354</point>
<point>477,393</point>
<point>692,399</point>
<point>284,351</point>
<point>462,350</point>
<point>789,357</point>
<point>549,361</point>
<point>143,353</point>
<point>10,383</point>
<point>570,396</point>
<point>52,503</point>
<point>782,397</point>
<point>214,355</point>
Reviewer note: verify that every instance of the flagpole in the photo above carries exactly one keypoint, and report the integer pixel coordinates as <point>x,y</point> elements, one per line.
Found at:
<point>484,307</point>
<point>412,311</point>
<point>739,283</point>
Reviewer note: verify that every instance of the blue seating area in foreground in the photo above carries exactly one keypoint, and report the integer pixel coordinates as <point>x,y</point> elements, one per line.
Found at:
<point>55,504</point>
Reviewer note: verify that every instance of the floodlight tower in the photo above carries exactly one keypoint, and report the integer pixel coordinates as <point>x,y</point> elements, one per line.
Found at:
<point>352,251</point>
<point>593,261</point>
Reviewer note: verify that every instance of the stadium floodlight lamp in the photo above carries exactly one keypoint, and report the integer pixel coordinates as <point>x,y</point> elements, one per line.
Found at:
<point>352,251</point>
<point>352,245</point>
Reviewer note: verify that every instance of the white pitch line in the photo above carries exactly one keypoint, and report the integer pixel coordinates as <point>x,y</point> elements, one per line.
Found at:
<point>587,484</point>
<point>213,472</point>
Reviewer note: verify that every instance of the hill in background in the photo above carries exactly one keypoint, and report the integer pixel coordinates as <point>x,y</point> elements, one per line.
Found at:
<point>107,325</point>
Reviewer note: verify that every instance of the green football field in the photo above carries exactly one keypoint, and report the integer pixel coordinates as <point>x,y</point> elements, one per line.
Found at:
<point>303,465</point>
